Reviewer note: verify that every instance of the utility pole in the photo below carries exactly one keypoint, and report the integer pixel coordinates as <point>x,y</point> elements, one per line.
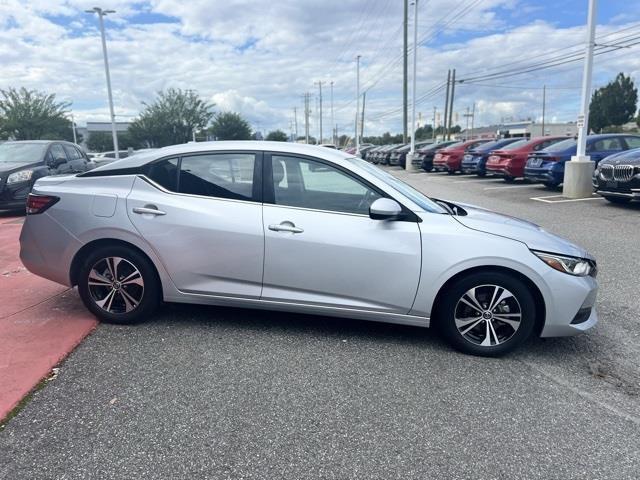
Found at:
<point>101,14</point>
<point>408,164</point>
<point>73,127</point>
<point>295,120</point>
<point>544,106</point>
<point>445,128</point>
<point>333,132</point>
<point>364,99</point>
<point>356,139</point>
<point>306,118</point>
<point>473,118</point>
<point>578,172</point>
<point>453,92</point>
<point>433,130</point>
<point>320,112</point>
<point>405,55</point>
<point>317,110</point>
<point>467,115</point>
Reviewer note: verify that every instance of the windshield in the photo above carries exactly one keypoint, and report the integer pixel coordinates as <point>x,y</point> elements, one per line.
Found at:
<point>21,152</point>
<point>515,145</point>
<point>561,146</point>
<point>411,193</point>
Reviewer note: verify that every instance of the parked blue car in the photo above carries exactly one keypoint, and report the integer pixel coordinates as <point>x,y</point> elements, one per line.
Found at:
<point>475,161</point>
<point>547,166</point>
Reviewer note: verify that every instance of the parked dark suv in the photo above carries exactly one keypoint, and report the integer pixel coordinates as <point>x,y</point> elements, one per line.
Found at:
<point>23,162</point>
<point>617,178</point>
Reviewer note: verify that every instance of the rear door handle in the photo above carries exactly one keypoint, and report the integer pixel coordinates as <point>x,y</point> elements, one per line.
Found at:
<point>148,211</point>
<point>285,227</point>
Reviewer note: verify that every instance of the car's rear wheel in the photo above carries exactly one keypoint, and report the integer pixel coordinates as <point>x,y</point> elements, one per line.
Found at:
<point>619,200</point>
<point>487,314</point>
<point>119,285</point>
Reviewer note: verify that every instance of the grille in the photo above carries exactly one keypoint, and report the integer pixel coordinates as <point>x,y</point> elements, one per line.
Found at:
<point>623,173</point>
<point>606,171</point>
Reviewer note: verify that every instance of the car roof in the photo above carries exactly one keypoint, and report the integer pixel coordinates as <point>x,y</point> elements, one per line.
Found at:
<point>143,158</point>
<point>41,142</point>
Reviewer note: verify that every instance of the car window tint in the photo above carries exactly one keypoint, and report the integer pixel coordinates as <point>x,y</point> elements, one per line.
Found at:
<point>300,182</point>
<point>58,152</point>
<point>72,153</point>
<point>223,175</point>
<point>633,142</point>
<point>164,173</point>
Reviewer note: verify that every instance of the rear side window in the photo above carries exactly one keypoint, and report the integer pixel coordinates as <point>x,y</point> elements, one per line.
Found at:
<point>607,145</point>
<point>222,175</point>
<point>633,142</point>
<point>164,173</point>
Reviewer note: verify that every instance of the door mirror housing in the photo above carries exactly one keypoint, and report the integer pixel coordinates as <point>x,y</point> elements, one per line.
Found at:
<point>385,209</point>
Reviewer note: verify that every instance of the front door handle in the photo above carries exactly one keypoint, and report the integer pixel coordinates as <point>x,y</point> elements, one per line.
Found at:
<point>148,211</point>
<point>285,227</point>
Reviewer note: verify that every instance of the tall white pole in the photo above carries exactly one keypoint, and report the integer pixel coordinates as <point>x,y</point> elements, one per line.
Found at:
<point>73,127</point>
<point>578,172</point>
<point>357,103</point>
<point>583,130</point>
<point>413,82</point>
<point>101,13</point>
<point>333,132</point>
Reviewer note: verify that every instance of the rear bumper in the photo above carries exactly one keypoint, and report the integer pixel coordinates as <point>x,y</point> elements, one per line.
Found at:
<point>543,175</point>
<point>470,168</point>
<point>496,171</point>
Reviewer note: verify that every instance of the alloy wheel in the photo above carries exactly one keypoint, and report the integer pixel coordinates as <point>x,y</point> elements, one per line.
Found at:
<point>488,315</point>
<point>116,285</point>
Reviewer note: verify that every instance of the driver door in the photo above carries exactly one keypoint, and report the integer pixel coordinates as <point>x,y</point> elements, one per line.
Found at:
<point>321,247</point>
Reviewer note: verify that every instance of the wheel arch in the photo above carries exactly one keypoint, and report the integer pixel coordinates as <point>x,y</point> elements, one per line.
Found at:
<point>533,288</point>
<point>87,248</point>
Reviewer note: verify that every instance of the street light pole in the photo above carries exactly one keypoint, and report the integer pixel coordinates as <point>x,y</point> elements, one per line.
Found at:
<point>578,172</point>
<point>73,127</point>
<point>101,14</point>
<point>409,159</point>
<point>357,139</point>
<point>333,132</point>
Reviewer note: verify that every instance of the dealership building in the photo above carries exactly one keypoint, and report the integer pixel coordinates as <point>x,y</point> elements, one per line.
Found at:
<point>100,127</point>
<point>526,129</point>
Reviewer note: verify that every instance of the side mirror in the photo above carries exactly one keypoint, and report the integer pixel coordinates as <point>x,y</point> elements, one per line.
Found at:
<point>385,209</point>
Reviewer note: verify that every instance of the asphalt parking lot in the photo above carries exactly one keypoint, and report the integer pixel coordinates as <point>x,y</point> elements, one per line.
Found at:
<point>206,392</point>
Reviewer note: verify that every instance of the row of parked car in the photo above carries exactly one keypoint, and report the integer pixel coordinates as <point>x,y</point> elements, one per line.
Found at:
<point>539,159</point>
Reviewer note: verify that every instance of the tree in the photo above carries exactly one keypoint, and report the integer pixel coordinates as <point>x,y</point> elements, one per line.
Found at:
<point>614,104</point>
<point>103,141</point>
<point>171,119</point>
<point>424,132</point>
<point>32,115</point>
<point>230,126</point>
<point>277,136</point>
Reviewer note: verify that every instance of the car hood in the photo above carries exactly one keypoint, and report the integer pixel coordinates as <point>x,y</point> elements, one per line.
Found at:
<point>8,167</point>
<point>534,236</point>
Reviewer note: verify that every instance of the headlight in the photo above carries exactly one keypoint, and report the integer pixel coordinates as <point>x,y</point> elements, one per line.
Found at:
<point>21,176</point>
<point>579,267</point>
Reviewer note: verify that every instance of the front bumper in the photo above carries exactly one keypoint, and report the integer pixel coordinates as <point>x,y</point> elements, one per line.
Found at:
<point>14,196</point>
<point>618,188</point>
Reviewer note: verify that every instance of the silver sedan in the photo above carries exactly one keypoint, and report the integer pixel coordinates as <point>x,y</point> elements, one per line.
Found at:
<point>305,229</point>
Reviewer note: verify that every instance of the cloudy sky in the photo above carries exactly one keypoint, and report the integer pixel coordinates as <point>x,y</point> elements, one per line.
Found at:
<point>258,58</point>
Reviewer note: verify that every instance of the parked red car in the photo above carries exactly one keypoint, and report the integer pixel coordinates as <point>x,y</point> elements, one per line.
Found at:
<point>509,161</point>
<point>450,159</point>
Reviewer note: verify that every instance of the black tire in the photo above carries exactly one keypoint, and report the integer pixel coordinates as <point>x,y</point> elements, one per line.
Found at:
<point>148,295</point>
<point>427,169</point>
<point>451,304</point>
<point>551,185</point>
<point>509,179</point>
<point>481,174</point>
<point>618,200</point>
<point>451,172</point>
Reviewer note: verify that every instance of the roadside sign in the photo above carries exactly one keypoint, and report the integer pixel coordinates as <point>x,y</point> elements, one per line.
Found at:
<point>580,121</point>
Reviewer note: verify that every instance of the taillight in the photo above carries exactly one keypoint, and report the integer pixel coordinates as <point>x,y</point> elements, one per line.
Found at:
<point>39,203</point>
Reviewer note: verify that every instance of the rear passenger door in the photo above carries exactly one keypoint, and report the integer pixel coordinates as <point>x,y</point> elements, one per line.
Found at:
<point>202,214</point>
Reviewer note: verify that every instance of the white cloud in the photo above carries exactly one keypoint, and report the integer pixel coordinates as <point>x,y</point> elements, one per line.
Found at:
<point>259,58</point>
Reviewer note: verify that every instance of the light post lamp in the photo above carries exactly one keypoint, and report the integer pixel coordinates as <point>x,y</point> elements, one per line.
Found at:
<point>578,172</point>
<point>101,14</point>
<point>409,158</point>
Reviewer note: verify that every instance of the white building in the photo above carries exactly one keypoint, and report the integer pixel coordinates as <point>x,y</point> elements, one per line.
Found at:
<point>94,127</point>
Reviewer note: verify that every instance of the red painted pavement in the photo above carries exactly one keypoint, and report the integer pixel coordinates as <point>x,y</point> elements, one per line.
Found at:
<point>40,322</point>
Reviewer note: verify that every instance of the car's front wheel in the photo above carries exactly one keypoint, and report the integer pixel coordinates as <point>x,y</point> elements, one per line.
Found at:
<point>487,314</point>
<point>118,285</point>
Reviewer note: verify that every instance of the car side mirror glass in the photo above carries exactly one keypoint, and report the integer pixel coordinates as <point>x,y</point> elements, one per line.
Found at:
<point>385,209</point>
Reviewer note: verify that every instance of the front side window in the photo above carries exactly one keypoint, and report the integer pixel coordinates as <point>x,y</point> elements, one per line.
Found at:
<point>607,145</point>
<point>72,153</point>
<point>220,175</point>
<point>305,183</point>
<point>58,153</point>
